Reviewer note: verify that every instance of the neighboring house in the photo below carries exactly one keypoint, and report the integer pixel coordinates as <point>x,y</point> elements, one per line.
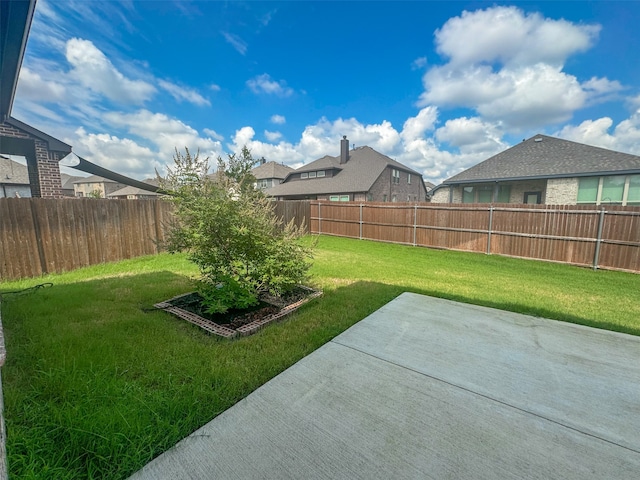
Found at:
<point>361,174</point>
<point>67,184</point>
<point>133,193</point>
<point>429,187</point>
<point>547,170</point>
<point>14,179</point>
<point>270,174</point>
<point>95,186</point>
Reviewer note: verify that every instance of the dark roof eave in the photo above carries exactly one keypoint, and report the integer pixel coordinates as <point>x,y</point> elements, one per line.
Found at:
<point>55,145</point>
<point>15,23</point>
<point>542,177</point>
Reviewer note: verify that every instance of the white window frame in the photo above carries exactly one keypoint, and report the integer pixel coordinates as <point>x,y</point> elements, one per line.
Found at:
<point>304,175</point>
<point>395,175</point>
<point>312,174</point>
<point>321,173</point>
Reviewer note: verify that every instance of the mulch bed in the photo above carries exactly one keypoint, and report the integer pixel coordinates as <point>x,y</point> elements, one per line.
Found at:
<point>237,322</point>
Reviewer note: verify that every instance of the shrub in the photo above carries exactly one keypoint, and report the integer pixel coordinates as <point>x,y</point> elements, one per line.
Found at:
<point>231,233</point>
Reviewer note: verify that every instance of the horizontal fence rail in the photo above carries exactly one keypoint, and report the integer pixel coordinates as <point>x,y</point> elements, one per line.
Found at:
<point>603,237</point>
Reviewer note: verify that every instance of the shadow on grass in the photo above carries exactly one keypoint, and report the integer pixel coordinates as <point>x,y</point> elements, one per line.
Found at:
<point>97,383</point>
<point>527,309</point>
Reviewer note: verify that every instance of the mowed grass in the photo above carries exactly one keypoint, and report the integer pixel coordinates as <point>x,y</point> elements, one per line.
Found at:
<point>97,383</point>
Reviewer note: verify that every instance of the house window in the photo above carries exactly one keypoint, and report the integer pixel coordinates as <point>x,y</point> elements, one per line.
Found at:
<point>485,194</point>
<point>588,190</point>
<point>408,179</point>
<point>615,189</point>
<point>320,173</point>
<point>394,198</point>
<point>264,183</point>
<point>384,197</point>
<point>395,176</point>
<point>312,174</point>
<point>504,193</point>
<point>612,189</point>
<point>334,198</point>
<point>304,175</point>
<point>633,193</point>
<point>468,195</point>
<point>369,197</point>
<point>344,198</point>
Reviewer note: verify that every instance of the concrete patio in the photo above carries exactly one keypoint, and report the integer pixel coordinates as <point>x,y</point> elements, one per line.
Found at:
<point>428,388</point>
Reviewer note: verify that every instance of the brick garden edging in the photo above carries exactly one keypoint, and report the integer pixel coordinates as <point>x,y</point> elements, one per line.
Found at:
<point>242,331</point>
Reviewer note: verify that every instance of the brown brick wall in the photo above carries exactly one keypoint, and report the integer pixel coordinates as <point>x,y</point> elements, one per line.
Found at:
<point>403,191</point>
<point>44,176</point>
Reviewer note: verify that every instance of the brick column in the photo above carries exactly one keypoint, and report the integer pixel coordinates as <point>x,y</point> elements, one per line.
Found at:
<point>42,164</point>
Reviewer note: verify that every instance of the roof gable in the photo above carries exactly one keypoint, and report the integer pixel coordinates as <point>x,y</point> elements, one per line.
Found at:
<point>359,174</point>
<point>544,157</point>
<point>271,170</point>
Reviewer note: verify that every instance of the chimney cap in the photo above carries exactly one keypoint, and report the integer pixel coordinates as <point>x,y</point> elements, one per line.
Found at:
<point>344,137</point>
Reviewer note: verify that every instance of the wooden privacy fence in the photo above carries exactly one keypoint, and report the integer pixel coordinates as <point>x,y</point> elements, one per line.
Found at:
<point>598,237</point>
<point>298,210</point>
<point>39,236</point>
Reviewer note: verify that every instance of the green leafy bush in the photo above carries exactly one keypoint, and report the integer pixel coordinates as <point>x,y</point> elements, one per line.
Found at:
<point>230,231</point>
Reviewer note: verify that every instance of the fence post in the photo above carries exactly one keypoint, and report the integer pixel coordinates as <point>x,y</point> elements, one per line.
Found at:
<point>490,229</point>
<point>319,220</point>
<point>360,221</point>
<point>415,223</point>
<point>596,254</point>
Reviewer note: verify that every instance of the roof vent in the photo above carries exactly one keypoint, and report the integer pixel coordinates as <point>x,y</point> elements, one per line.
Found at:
<point>539,139</point>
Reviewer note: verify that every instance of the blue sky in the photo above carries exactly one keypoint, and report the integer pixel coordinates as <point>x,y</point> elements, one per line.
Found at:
<point>439,86</point>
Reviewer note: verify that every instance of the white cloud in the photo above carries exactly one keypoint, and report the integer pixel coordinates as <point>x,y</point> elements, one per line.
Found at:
<point>183,93</point>
<point>236,42</point>
<point>512,72</point>
<point>278,119</point>
<point>416,127</point>
<point>602,89</point>
<point>625,136</point>
<point>94,71</point>
<point>213,134</point>
<point>164,132</point>
<point>272,136</point>
<point>122,155</point>
<point>471,135</point>
<point>264,84</point>
<point>214,87</point>
<point>509,36</point>
<point>33,87</point>
<point>419,63</point>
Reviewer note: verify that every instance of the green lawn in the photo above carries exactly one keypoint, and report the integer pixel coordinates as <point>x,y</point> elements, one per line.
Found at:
<point>97,383</point>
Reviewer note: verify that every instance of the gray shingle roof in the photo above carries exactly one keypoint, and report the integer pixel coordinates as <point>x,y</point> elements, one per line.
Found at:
<point>12,172</point>
<point>357,175</point>
<point>271,170</point>
<point>67,181</point>
<point>545,157</point>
